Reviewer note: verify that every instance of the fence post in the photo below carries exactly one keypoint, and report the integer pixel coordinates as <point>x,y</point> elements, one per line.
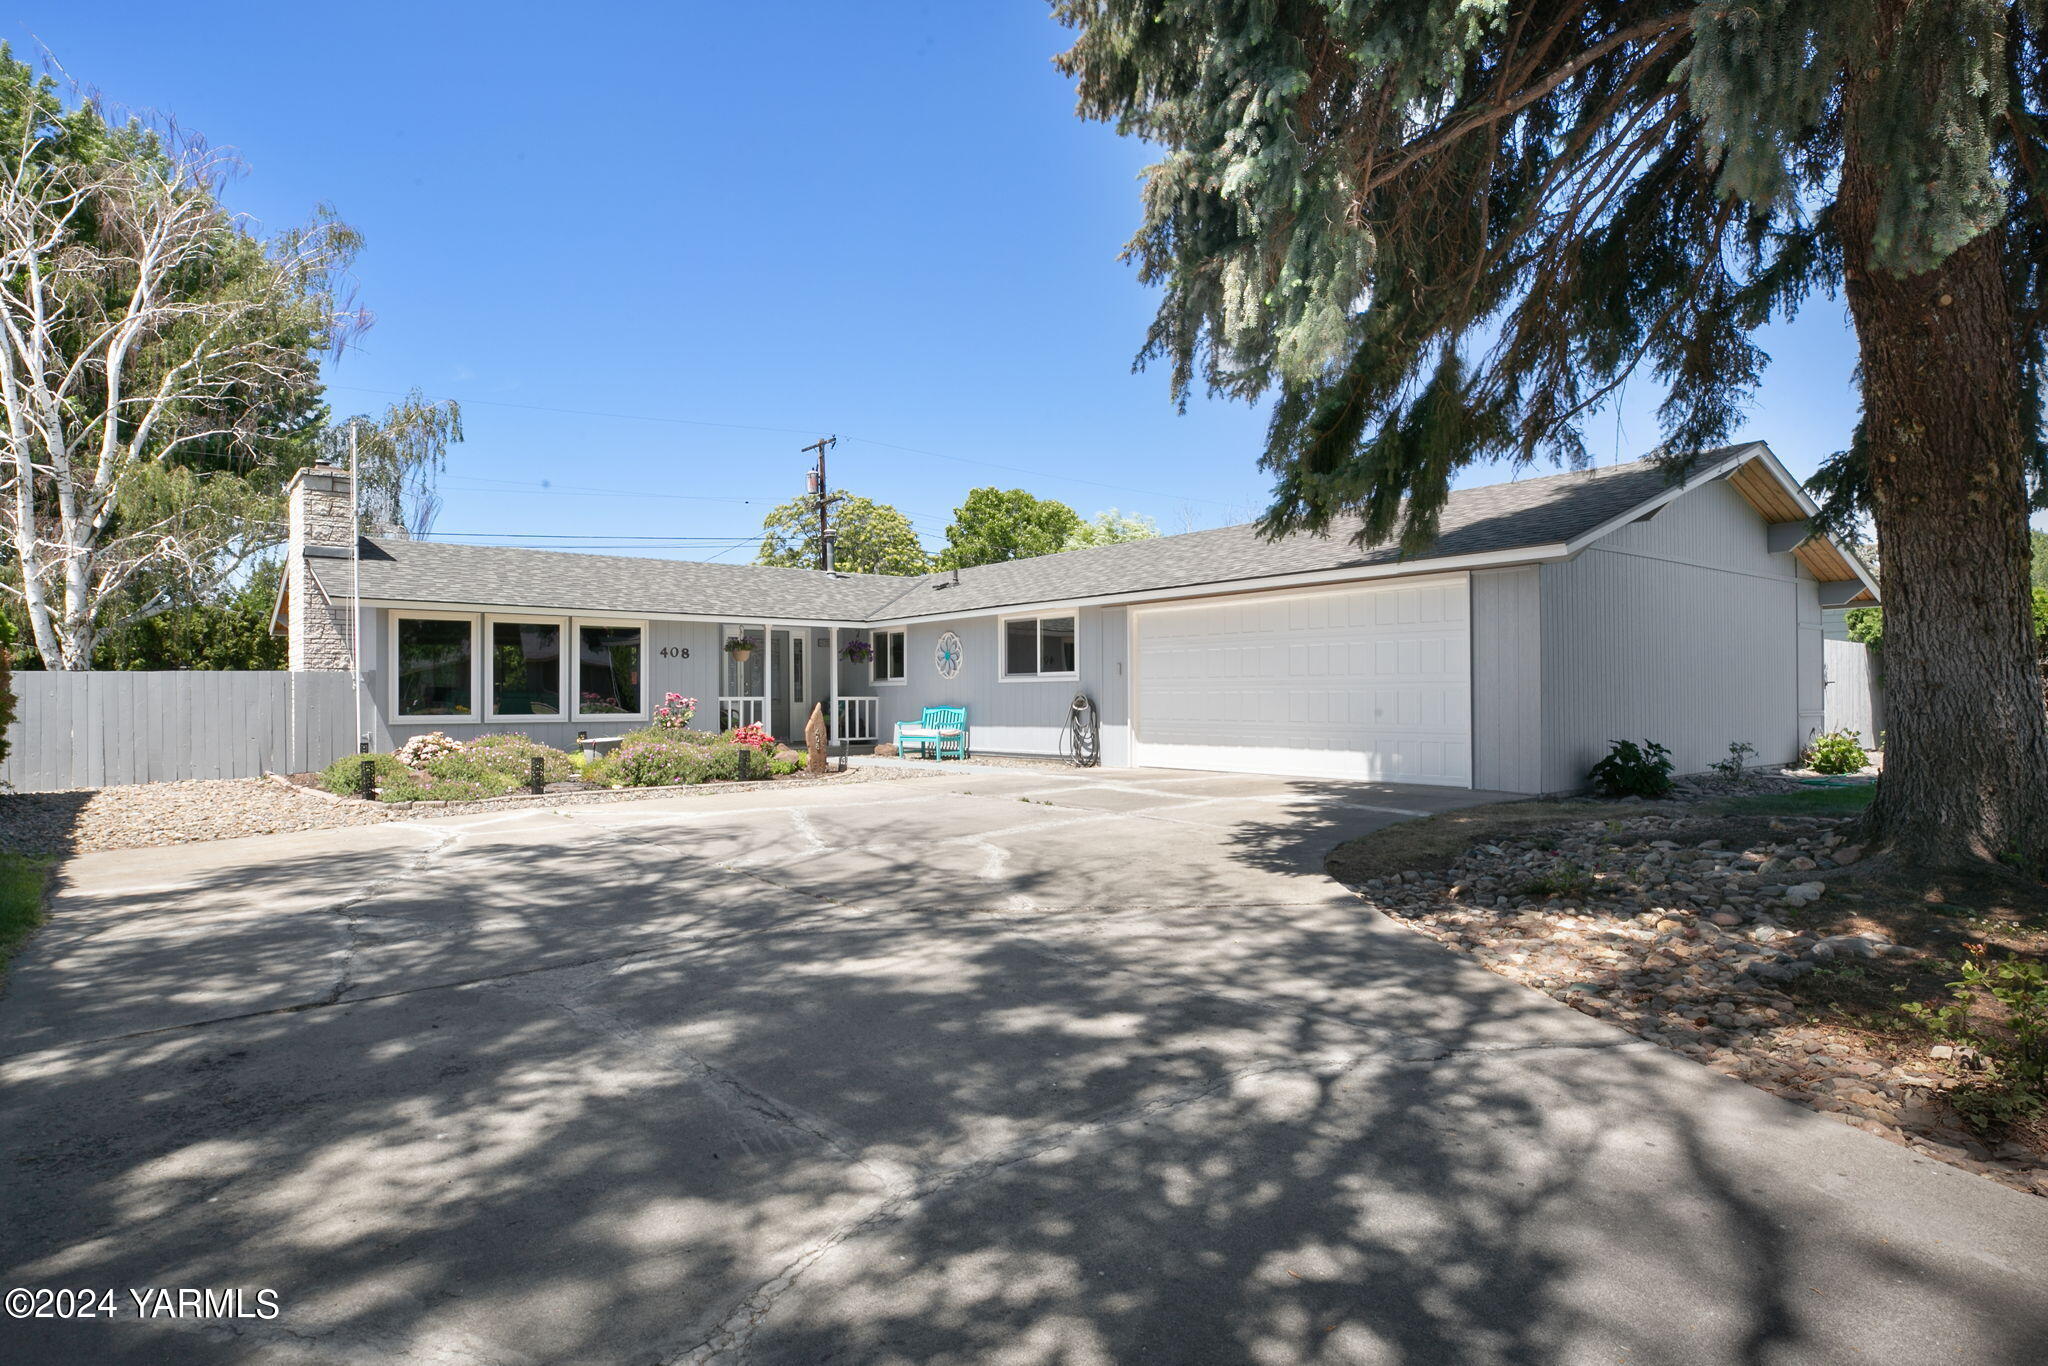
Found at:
<point>369,780</point>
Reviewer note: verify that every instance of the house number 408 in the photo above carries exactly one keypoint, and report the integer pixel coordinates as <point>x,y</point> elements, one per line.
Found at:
<point>675,652</point>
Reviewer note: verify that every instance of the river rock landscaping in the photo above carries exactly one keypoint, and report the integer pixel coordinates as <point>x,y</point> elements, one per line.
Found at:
<point>1760,945</point>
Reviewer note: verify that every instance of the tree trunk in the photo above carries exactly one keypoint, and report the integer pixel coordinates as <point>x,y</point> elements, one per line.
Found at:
<point>1966,752</point>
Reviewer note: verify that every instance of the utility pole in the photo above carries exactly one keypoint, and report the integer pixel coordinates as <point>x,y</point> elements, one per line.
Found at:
<point>821,491</point>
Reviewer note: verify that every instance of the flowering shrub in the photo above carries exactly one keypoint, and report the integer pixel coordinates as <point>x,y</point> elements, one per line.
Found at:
<point>675,712</point>
<point>513,754</point>
<point>651,758</point>
<point>436,768</point>
<point>443,778</point>
<point>415,752</point>
<point>659,757</point>
<point>753,735</point>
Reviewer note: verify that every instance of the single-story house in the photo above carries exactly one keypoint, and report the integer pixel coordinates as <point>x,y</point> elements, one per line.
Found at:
<point>1551,616</point>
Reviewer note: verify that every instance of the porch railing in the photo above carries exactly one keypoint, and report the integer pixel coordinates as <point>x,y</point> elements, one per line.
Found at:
<point>858,718</point>
<point>734,712</point>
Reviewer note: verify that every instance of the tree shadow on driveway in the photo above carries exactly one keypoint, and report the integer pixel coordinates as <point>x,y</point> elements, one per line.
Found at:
<point>587,1096</point>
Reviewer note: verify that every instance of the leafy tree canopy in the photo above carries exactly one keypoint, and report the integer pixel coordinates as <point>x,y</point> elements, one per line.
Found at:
<point>868,538</point>
<point>993,525</point>
<point>1112,528</point>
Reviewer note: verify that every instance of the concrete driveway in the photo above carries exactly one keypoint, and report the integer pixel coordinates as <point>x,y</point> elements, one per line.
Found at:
<point>984,1067</point>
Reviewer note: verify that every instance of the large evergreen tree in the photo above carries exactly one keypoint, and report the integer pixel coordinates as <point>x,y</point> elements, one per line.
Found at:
<point>1442,231</point>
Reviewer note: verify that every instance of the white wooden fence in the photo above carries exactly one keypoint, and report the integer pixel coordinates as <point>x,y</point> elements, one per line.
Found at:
<point>101,728</point>
<point>1855,693</point>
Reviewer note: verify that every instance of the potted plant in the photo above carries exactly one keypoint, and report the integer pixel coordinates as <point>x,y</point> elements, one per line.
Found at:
<point>857,652</point>
<point>740,648</point>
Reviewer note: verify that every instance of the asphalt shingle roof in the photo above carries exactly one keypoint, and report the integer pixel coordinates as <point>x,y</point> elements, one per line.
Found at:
<point>1499,517</point>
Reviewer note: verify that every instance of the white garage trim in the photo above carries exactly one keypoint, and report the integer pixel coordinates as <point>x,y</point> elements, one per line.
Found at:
<point>1368,682</point>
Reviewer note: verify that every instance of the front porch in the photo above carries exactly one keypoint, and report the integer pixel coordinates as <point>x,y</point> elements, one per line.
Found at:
<point>786,669</point>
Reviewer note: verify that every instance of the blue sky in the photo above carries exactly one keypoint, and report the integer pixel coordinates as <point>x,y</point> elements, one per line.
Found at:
<point>712,234</point>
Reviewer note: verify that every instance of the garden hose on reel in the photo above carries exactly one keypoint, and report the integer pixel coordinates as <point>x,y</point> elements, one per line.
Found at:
<point>1081,740</point>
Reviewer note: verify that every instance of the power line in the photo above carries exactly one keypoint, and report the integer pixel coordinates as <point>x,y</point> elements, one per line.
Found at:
<point>678,538</point>
<point>548,486</point>
<point>797,431</point>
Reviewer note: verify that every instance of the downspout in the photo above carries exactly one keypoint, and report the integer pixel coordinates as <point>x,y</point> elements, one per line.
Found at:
<point>355,602</point>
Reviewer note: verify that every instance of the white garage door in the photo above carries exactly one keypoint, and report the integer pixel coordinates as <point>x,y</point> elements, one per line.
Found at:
<point>1368,683</point>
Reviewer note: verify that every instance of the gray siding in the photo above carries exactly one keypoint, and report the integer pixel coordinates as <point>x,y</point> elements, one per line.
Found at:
<point>1681,628</point>
<point>1507,680</point>
<point>96,729</point>
<point>1015,717</point>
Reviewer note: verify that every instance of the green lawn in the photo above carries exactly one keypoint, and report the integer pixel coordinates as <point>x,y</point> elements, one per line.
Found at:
<point>1814,801</point>
<point>21,900</point>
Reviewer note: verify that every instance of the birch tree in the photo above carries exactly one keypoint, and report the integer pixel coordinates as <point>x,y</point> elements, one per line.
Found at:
<point>150,348</point>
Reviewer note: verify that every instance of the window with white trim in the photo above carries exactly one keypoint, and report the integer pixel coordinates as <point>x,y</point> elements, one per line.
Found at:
<point>1039,647</point>
<point>889,655</point>
<point>608,670</point>
<point>526,667</point>
<point>433,673</point>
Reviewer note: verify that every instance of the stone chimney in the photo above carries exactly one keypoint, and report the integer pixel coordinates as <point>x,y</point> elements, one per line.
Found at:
<point>322,537</point>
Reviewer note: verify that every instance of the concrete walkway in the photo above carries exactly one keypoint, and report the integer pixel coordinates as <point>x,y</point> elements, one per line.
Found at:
<point>975,1067</point>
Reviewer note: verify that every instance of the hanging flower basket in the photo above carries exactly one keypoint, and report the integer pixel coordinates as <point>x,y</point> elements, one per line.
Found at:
<point>740,648</point>
<point>857,652</point>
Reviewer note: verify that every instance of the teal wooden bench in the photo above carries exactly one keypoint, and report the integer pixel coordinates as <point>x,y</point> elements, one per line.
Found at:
<point>941,733</point>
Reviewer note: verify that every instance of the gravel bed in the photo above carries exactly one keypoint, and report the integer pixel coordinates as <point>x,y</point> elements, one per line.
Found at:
<point>1689,943</point>
<point>157,814</point>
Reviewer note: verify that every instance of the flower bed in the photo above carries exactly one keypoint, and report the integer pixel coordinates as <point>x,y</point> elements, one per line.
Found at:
<point>665,758</point>
<point>436,768</point>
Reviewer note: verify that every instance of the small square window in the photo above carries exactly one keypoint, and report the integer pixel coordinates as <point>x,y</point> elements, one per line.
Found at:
<point>1040,647</point>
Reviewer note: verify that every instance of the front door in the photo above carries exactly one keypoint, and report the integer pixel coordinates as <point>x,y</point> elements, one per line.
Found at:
<point>789,692</point>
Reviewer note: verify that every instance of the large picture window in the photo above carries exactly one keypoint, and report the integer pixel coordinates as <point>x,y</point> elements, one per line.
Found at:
<point>1039,647</point>
<point>608,670</point>
<point>435,668</point>
<point>526,668</point>
<point>889,652</point>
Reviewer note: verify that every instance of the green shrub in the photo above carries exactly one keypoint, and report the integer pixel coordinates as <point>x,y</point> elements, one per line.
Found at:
<point>344,777</point>
<point>784,762</point>
<point>651,758</point>
<point>1736,766</point>
<point>450,778</point>
<point>2014,1086</point>
<point>730,763</point>
<point>1632,770</point>
<point>1838,751</point>
<point>463,777</point>
<point>513,754</point>
<point>1563,878</point>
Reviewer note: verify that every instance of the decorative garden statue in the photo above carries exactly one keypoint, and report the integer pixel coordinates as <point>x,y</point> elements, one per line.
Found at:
<point>814,741</point>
